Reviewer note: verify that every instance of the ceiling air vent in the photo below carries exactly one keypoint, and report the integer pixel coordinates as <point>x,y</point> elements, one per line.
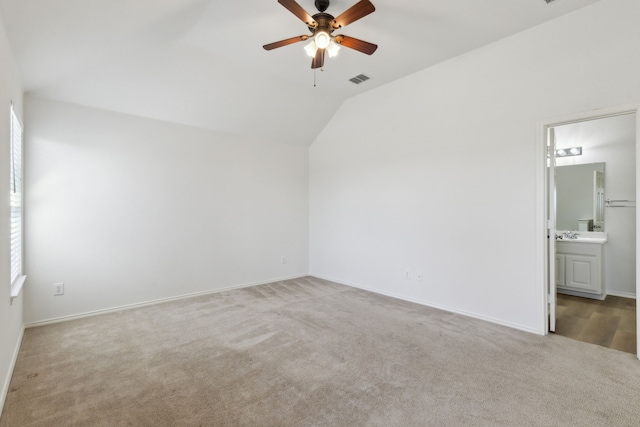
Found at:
<point>359,79</point>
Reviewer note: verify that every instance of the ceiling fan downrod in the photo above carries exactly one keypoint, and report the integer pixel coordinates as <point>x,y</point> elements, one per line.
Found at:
<point>322,5</point>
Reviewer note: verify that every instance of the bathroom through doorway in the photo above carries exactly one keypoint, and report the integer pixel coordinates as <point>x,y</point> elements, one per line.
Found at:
<point>608,140</point>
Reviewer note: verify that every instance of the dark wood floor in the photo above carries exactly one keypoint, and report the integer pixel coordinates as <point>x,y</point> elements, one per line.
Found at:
<point>610,323</point>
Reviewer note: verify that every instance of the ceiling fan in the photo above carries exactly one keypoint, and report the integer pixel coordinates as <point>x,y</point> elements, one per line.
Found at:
<point>322,25</point>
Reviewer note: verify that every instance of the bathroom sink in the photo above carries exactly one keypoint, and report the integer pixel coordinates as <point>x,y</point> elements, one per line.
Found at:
<point>590,237</point>
<point>586,240</point>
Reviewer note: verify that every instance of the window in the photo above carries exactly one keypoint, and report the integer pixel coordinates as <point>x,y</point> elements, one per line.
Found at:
<point>15,201</point>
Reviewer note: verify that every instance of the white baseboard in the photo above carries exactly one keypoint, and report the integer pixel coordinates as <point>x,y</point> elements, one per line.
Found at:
<point>7,380</point>
<point>152,302</point>
<point>599,297</point>
<point>621,294</point>
<point>429,304</point>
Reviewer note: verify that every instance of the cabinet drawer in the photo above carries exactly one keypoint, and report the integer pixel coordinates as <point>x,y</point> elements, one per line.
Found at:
<point>592,249</point>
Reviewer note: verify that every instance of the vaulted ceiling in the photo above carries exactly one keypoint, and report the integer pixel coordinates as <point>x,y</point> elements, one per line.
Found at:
<point>201,62</point>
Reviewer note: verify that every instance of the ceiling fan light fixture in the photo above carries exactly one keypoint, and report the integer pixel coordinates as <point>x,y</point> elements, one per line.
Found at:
<point>332,49</point>
<point>322,39</point>
<point>311,49</point>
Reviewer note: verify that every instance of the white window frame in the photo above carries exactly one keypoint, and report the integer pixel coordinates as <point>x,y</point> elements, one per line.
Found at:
<point>16,203</point>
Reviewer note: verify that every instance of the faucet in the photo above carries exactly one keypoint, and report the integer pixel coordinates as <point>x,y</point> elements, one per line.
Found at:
<point>571,235</point>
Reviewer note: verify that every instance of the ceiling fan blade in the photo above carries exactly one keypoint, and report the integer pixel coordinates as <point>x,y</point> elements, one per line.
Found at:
<point>356,44</point>
<point>297,10</point>
<point>355,12</point>
<point>285,42</point>
<point>318,60</point>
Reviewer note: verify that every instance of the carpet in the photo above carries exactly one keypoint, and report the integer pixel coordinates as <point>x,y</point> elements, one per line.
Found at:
<point>309,352</point>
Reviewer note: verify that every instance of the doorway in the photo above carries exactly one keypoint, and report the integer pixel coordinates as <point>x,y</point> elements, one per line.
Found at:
<point>601,138</point>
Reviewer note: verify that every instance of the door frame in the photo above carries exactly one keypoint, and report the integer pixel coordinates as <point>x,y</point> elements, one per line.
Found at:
<point>543,198</point>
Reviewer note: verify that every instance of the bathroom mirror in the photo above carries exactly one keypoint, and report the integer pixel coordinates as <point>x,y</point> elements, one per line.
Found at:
<point>580,197</point>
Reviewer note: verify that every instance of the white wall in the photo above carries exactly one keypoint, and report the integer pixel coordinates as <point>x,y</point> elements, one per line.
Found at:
<point>438,172</point>
<point>611,140</point>
<point>126,210</point>
<point>10,314</point>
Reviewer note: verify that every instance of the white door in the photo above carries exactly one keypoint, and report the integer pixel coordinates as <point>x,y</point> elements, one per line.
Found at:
<point>551,229</point>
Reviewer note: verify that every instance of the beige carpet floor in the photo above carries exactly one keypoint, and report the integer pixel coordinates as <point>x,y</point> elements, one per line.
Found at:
<point>308,352</point>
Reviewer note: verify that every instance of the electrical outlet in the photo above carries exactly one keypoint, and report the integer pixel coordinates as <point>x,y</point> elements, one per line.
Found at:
<point>407,275</point>
<point>284,260</point>
<point>58,289</point>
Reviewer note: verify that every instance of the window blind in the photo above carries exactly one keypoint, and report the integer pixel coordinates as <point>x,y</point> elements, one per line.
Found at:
<point>15,198</point>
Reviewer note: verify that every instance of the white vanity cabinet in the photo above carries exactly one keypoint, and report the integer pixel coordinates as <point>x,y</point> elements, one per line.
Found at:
<point>580,269</point>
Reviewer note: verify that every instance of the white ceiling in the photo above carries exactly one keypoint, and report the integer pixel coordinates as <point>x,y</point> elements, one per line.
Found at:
<point>201,62</point>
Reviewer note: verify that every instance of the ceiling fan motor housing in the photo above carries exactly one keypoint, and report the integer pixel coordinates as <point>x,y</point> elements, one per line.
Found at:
<point>322,5</point>
<point>323,21</point>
